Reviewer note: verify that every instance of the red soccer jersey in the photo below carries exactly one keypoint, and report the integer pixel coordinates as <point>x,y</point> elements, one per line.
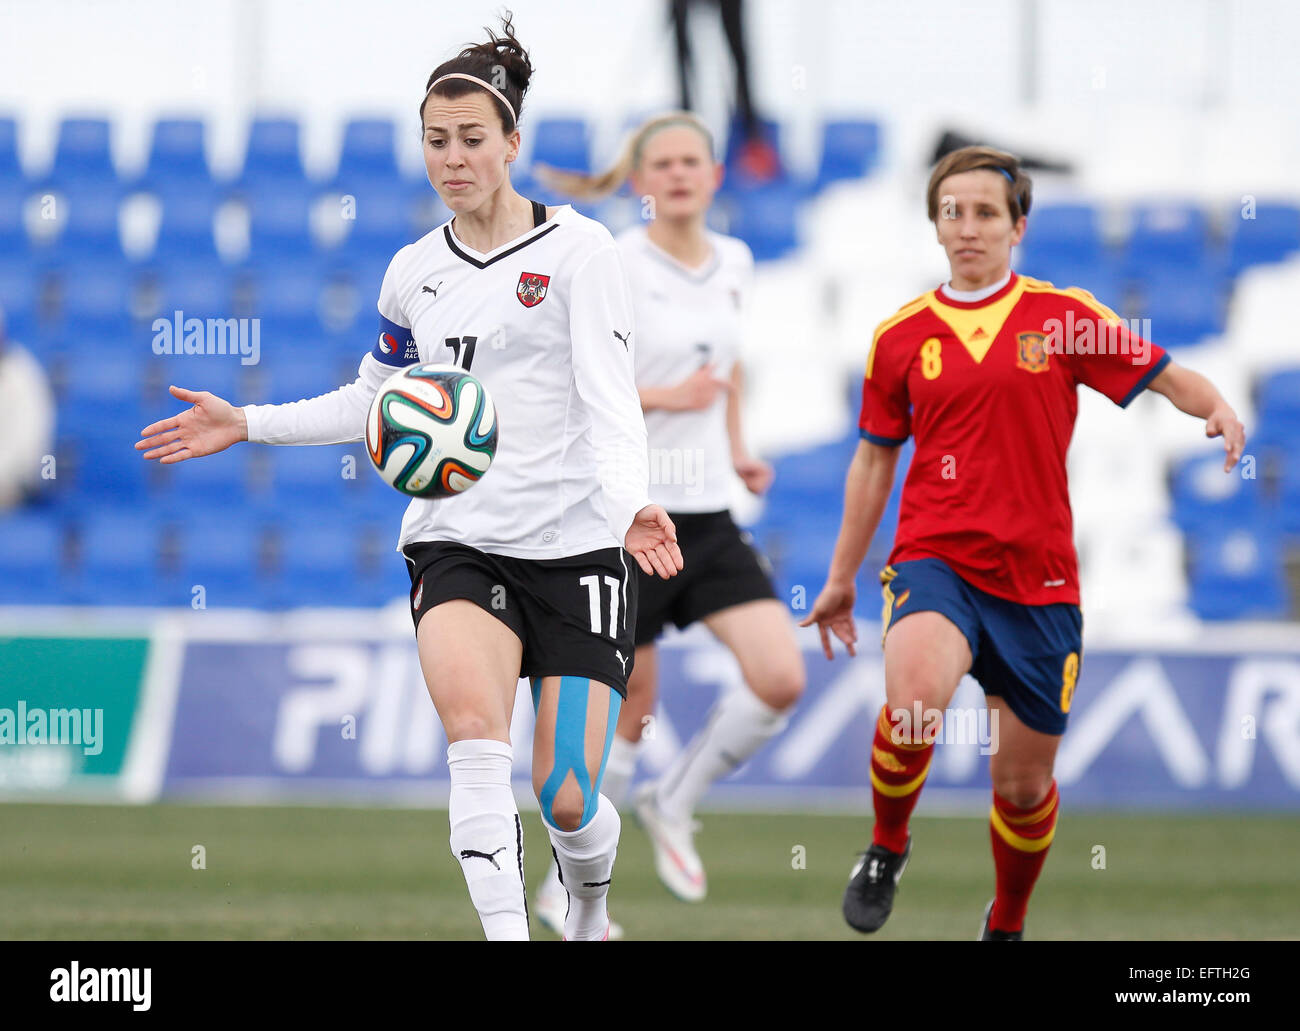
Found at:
<point>988,390</point>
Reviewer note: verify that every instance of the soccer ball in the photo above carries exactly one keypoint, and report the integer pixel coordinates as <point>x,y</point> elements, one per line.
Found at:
<point>431,431</point>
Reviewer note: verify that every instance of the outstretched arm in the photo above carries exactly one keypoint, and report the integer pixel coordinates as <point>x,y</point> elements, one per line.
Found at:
<point>1192,393</point>
<point>866,492</point>
<point>756,474</point>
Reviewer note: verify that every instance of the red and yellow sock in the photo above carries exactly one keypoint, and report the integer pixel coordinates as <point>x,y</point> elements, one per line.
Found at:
<point>897,773</point>
<point>1020,841</point>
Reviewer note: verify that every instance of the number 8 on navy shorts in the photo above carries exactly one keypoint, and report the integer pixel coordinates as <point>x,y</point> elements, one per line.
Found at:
<point>1026,654</point>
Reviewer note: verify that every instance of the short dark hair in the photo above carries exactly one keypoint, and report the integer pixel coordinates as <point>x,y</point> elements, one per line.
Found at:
<point>1020,188</point>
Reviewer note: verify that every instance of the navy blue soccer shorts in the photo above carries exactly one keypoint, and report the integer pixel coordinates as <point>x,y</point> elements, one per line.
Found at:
<point>1026,654</point>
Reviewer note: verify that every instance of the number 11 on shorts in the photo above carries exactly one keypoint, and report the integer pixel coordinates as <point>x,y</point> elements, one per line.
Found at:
<point>592,583</point>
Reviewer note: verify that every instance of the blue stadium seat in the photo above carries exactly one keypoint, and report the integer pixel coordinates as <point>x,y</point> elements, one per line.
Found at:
<point>1183,307</point>
<point>177,160</point>
<point>288,291</point>
<point>223,375</point>
<point>1272,235</point>
<point>1289,486</point>
<point>31,553</point>
<point>383,225</point>
<point>83,155</point>
<point>279,224</point>
<point>223,554</point>
<point>850,148</point>
<point>307,375</point>
<point>1063,244</point>
<point>14,243</point>
<point>1280,392</point>
<point>109,470</point>
<point>89,216</point>
<point>96,298</point>
<point>186,230</point>
<point>186,488</point>
<point>368,157</point>
<point>1167,236</point>
<point>11,169</point>
<point>201,290</point>
<point>383,572</point>
<point>119,558</point>
<point>767,219</point>
<point>562,143</point>
<point>273,157</point>
<point>1208,500</point>
<point>1279,436</point>
<point>363,272</point>
<point>1279,404</point>
<point>1237,571</point>
<point>817,471</point>
<point>108,379</point>
<point>328,477</point>
<point>286,340</point>
<point>320,563</point>
<point>19,284</point>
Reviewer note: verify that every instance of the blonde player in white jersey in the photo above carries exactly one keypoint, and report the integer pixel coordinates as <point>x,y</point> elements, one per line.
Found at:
<point>688,288</point>
<point>533,301</point>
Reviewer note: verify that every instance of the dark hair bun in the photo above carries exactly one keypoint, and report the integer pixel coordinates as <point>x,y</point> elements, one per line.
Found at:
<point>501,61</point>
<point>506,52</point>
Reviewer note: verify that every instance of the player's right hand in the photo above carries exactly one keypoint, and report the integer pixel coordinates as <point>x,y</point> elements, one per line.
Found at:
<point>833,610</point>
<point>210,425</point>
<point>699,389</point>
<point>652,541</point>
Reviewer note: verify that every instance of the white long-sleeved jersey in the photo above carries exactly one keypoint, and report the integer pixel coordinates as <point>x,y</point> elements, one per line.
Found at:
<point>545,322</point>
<point>687,318</point>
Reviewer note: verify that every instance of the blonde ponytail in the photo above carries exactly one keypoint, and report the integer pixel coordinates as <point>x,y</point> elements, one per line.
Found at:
<point>590,187</point>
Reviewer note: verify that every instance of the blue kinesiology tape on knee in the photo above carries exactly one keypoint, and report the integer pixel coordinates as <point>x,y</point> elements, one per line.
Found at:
<point>615,706</point>
<point>570,752</point>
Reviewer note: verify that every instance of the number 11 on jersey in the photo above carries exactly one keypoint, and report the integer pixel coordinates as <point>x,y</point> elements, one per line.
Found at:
<point>592,583</point>
<point>455,343</point>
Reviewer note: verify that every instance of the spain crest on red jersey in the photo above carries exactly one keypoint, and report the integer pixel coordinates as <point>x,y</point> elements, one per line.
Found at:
<point>532,288</point>
<point>1032,352</point>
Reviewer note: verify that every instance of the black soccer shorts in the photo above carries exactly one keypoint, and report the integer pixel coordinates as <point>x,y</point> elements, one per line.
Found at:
<point>722,568</point>
<point>574,615</point>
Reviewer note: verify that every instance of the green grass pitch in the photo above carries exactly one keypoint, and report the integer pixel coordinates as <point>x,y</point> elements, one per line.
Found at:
<point>118,872</point>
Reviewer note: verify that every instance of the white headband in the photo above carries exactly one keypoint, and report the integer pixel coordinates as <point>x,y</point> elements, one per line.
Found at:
<point>486,85</point>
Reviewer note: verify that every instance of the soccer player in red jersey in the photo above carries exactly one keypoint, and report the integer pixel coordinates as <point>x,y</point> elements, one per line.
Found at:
<point>983,578</point>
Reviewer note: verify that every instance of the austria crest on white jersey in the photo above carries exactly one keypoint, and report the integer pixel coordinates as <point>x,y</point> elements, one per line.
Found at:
<point>544,322</point>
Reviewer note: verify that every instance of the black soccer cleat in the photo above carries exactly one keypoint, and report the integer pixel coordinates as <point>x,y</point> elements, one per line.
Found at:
<point>869,898</point>
<point>988,934</point>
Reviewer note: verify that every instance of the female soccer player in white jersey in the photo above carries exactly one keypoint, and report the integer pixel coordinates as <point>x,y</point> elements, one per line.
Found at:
<point>542,294</point>
<point>688,287</point>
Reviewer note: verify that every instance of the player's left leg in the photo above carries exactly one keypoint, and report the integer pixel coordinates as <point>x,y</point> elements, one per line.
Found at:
<point>551,901</point>
<point>1022,820</point>
<point>760,636</point>
<point>1028,672</point>
<point>576,717</point>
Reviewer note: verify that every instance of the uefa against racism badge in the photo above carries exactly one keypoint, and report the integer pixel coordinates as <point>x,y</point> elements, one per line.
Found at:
<point>532,288</point>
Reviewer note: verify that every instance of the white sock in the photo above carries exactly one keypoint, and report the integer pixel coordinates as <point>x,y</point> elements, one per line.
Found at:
<point>487,836</point>
<point>619,768</point>
<point>586,859</point>
<point>736,728</point>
